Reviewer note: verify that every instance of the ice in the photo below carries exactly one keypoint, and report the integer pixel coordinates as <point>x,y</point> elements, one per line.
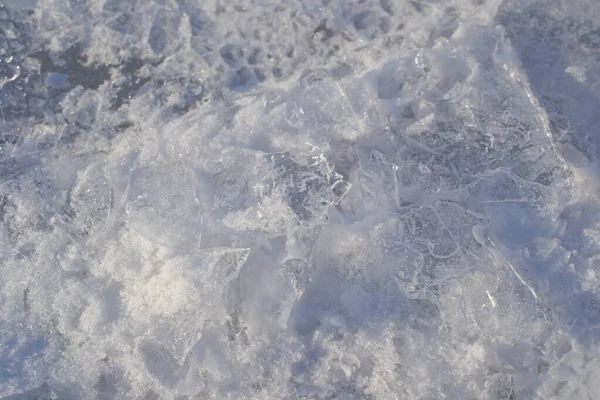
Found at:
<point>162,210</point>
<point>297,191</point>
<point>89,202</point>
<point>43,392</point>
<point>299,199</point>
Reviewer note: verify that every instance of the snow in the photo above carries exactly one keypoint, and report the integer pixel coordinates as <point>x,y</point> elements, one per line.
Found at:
<point>257,199</point>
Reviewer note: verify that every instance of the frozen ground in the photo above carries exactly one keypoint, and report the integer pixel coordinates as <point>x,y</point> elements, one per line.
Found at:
<point>287,199</point>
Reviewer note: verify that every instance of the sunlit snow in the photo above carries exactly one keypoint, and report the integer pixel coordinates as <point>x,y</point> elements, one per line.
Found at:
<point>300,199</point>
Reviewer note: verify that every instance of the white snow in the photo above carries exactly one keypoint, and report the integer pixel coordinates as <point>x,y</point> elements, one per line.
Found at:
<point>260,199</point>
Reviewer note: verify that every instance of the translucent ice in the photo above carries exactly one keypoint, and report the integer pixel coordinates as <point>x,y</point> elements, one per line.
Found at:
<point>299,199</point>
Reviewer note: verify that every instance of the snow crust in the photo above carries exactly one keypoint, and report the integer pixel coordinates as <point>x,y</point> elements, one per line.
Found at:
<point>256,199</point>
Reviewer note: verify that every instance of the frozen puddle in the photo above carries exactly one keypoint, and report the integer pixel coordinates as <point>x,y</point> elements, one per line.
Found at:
<point>299,199</point>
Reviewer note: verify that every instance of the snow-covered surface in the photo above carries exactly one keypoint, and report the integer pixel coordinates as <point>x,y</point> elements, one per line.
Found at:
<point>300,199</point>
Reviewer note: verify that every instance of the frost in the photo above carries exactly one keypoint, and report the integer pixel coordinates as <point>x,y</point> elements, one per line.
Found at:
<point>297,190</point>
<point>299,199</point>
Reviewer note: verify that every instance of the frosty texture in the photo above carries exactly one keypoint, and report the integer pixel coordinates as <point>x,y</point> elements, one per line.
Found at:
<point>299,199</point>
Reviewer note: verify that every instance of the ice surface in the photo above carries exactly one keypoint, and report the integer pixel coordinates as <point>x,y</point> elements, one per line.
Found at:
<point>299,199</point>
